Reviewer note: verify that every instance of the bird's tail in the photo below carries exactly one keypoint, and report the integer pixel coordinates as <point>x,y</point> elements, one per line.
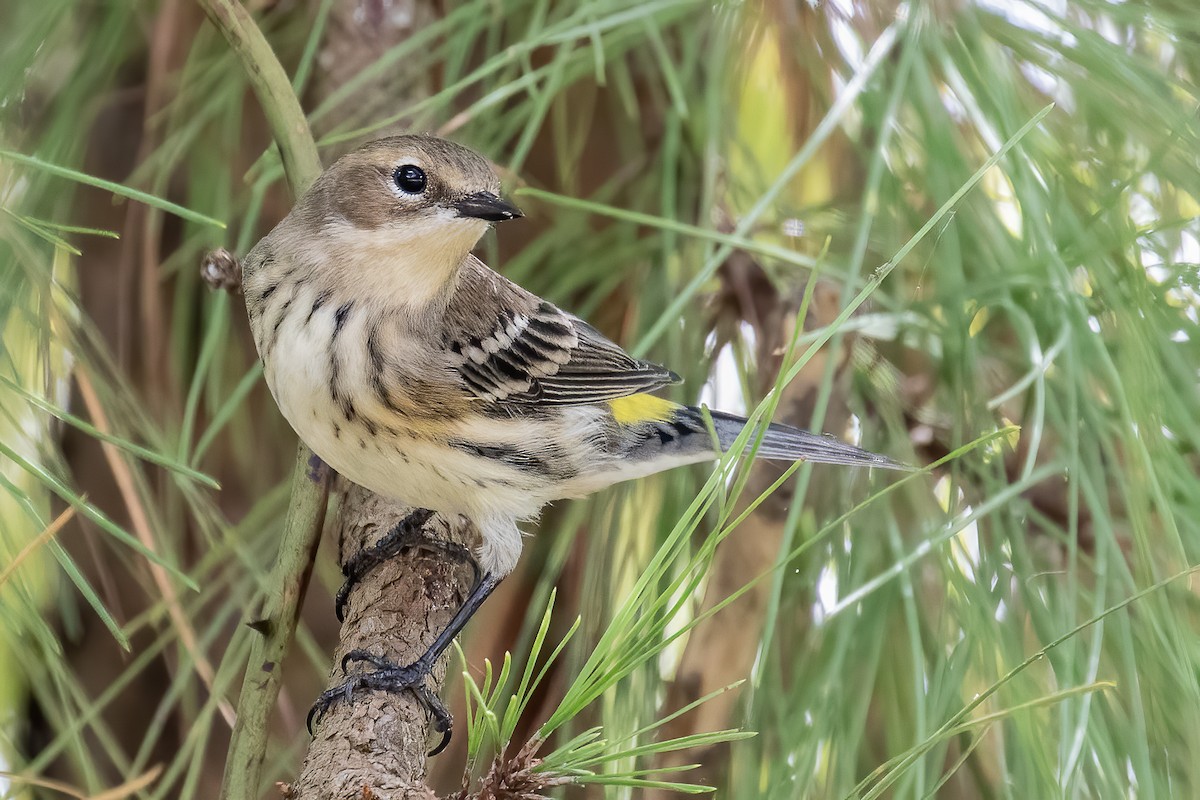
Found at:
<point>786,443</point>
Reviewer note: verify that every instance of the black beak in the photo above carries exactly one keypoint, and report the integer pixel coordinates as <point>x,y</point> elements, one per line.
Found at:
<point>485,205</point>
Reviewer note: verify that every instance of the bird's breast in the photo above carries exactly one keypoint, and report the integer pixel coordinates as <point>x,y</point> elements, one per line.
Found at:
<point>375,405</point>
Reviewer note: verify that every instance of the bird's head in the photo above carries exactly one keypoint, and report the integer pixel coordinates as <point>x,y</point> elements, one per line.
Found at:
<point>412,207</point>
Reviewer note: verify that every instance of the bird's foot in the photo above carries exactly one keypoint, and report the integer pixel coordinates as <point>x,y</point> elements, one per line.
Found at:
<point>405,534</point>
<point>387,677</point>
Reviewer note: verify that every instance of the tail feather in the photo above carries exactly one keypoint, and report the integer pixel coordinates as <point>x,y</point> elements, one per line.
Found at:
<point>786,443</point>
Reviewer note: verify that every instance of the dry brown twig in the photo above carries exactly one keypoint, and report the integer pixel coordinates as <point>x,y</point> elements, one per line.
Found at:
<point>517,778</point>
<point>221,270</point>
<point>142,529</point>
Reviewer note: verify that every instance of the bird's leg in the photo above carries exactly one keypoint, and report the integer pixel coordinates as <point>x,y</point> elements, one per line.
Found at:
<point>408,532</point>
<point>389,677</point>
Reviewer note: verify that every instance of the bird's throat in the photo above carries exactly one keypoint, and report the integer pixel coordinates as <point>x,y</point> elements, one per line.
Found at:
<point>410,266</point>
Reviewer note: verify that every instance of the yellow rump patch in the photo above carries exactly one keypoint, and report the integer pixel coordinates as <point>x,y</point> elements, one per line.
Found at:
<point>642,408</point>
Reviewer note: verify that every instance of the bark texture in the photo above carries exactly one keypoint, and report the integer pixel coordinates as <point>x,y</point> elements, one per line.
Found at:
<point>374,746</point>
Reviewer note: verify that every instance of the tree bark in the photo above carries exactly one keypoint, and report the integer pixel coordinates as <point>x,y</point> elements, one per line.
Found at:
<point>375,744</point>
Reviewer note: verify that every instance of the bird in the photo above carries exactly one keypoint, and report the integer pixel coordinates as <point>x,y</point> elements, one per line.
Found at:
<point>416,371</point>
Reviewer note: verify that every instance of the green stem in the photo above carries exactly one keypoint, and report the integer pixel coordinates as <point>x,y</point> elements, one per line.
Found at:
<point>274,90</point>
<point>285,592</point>
<point>306,511</point>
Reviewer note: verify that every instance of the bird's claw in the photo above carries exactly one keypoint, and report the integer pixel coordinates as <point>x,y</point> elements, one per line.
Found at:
<point>408,532</point>
<point>327,698</point>
<point>443,723</point>
<point>375,661</point>
<point>387,677</point>
<point>404,534</point>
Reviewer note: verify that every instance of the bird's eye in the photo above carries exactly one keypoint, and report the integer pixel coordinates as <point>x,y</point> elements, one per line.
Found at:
<point>409,179</point>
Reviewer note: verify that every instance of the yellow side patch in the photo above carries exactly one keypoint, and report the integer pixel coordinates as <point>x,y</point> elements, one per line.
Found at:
<point>640,408</point>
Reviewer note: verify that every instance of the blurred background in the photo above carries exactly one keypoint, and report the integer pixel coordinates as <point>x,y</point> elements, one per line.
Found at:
<point>689,170</point>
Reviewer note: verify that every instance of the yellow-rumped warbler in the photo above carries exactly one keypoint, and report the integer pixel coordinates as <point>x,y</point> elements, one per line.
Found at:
<point>414,370</point>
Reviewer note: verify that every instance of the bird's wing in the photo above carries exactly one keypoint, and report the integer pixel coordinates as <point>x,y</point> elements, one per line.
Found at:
<point>534,354</point>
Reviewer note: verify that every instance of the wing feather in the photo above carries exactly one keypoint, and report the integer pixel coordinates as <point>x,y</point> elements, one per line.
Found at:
<point>548,357</point>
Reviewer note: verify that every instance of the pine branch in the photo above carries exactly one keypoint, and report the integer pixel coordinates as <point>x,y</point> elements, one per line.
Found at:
<point>375,744</point>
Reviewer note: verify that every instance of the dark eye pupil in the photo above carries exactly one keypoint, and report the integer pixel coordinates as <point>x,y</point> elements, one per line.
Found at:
<point>410,179</point>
